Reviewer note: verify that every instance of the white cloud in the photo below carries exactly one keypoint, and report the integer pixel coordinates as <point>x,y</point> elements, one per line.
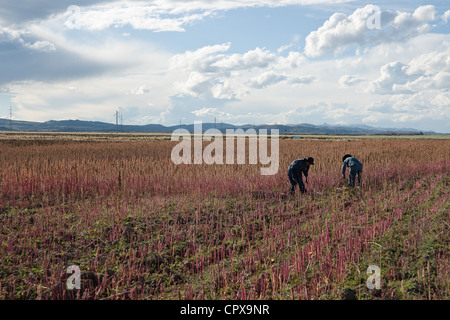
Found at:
<point>430,63</point>
<point>140,90</point>
<point>211,112</point>
<point>19,36</point>
<point>293,60</point>
<point>211,71</point>
<point>425,13</point>
<point>139,15</point>
<point>43,46</point>
<point>421,106</point>
<point>301,80</point>
<point>196,85</point>
<point>442,100</point>
<point>271,78</point>
<point>284,48</point>
<point>424,72</point>
<point>446,16</point>
<point>341,31</point>
<point>350,80</point>
<point>167,15</point>
<point>257,58</point>
<point>265,79</point>
<point>415,90</point>
<point>228,89</point>
<point>440,80</point>
<point>201,60</point>
<point>391,74</point>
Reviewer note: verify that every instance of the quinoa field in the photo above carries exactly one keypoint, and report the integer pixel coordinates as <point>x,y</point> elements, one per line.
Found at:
<point>140,227</point>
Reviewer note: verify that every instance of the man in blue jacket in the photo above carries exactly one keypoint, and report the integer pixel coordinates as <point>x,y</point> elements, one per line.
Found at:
<point>355,168</point>
<point>295,171</point>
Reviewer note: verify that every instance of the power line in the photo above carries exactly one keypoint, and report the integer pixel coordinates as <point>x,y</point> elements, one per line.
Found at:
<point>10,117</point>
<point>117,121</point>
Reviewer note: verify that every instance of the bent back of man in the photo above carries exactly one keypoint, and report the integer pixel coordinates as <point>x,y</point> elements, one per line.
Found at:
<point>355,167</point>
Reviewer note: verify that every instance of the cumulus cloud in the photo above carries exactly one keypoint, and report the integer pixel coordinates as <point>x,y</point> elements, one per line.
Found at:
<point>440,80</point>
<point>430,63</point>
<point>425,13</point>
<point>446,16</point>
<point>266,79</point>
<point>424,72</point>
<point>391,74</point>
<point>301,80</point>
<point>414,91</point>
<point>257,58</point>
<point>293,60</point>
<point>196,85</point>
<point>211,112</point>
<point>442,100</point>
<point>210,59</point>
<point>201,60</point>
<point>427,106</point>
<point>8,34</point>
<point>341,31</point>
<point>140,90</point>
<point>350,80</point>
<point>271,78</point>
<point>228,89</point>
<point>43,46</point>
<point>21,37</point>
<point>213,71</point>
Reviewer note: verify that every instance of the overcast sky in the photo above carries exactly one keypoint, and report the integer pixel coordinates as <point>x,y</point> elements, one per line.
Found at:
<point>383,63</point>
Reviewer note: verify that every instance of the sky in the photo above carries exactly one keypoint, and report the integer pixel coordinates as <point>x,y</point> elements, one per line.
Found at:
<point>377,63</point>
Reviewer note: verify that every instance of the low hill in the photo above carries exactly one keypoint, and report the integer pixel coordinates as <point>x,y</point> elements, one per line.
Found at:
<point>97,126</point>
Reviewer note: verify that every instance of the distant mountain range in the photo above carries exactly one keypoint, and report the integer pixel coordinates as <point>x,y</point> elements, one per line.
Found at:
<point>96,126</point>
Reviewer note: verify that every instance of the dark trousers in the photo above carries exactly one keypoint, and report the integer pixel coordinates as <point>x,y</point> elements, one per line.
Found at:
<point>352,177</point>
<point>296,178</point>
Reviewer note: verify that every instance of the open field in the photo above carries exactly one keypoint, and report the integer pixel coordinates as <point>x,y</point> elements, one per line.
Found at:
<point>99,136</point>
<point>140,227</point>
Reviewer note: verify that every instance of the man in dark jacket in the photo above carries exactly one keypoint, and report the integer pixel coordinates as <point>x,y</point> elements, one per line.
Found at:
<point>295,171</point>
<point>355,168</point>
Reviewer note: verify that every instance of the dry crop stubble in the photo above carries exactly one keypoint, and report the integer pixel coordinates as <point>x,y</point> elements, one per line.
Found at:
<point>141,227</point>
